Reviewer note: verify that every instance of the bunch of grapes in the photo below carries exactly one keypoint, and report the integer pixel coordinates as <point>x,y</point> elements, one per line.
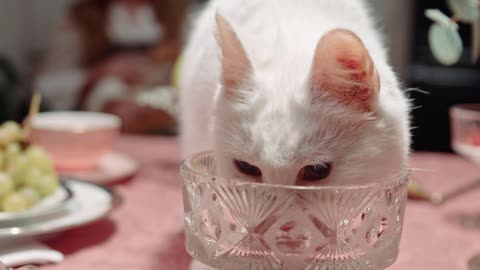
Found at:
<point>27,173</point>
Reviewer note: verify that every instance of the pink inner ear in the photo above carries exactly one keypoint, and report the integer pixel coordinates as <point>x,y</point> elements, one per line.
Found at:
<point>343,67</point>
<point>357,72</point>
<point>349,63</point>
<point>236,66</point>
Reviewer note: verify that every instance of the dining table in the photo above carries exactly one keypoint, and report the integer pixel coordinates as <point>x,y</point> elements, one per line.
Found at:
<point>144,232</point>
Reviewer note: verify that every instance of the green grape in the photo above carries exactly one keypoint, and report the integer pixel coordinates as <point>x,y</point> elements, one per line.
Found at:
<point>6,185</point>
<point>31,176</point>
<point>12,152</point>
<point>10,132</point>
<point>4,140</point>
<point>39,159</point>
<point>18,177</point>
<point>44,185</point>
<point>2,160</point>
<point>19,169</point>
<point>14,203</point>
<point>30,195</point>
<point>36,152</point>
<point>13,131</point>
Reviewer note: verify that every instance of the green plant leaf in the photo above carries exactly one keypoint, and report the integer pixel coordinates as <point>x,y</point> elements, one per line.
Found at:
<point>445,43</point>
<point>465,10</point>
<point>440,18</point>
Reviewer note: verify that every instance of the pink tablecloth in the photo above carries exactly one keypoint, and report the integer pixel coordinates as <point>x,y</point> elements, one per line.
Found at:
<point>143,233</point>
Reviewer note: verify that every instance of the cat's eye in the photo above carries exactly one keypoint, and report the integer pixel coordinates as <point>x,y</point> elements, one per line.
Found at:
<point>315,172</point>
<point>247,168</point>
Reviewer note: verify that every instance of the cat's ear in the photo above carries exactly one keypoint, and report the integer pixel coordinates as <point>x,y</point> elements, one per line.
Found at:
<point>236,67</point>
<point>343,67</point>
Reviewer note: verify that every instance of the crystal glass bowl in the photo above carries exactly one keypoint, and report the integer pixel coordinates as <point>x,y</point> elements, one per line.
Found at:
<point>241,225</point>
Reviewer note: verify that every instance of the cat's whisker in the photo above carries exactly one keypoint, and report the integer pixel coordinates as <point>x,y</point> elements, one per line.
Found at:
<point>421,170</point>
<point>413,128</point>
<point>417,91</point>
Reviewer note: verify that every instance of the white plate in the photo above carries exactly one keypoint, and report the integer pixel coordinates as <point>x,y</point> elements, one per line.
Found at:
<point>112,167</point>
<point>50,205</point>
<point>91,203</point>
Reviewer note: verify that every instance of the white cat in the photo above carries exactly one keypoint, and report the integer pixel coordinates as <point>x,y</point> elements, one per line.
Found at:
<point>293,92</point>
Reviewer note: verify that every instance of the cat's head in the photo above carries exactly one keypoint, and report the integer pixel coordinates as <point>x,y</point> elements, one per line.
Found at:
<point>320,126</point>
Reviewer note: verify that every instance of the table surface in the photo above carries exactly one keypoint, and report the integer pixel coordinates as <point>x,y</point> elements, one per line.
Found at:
<point>144,232</point>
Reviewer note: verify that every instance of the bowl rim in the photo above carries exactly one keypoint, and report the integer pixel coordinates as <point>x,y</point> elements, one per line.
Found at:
<point>109,121</point>
<point>186,170</point>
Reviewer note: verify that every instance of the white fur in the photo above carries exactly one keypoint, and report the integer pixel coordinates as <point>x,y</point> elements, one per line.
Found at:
<point>276,127</point>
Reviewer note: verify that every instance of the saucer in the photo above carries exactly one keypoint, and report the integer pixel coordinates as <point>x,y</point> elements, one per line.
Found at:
<point>90,203</point>
<point>113,167</point>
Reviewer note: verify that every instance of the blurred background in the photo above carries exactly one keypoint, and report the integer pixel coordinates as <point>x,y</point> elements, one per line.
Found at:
<point>120,56</point>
